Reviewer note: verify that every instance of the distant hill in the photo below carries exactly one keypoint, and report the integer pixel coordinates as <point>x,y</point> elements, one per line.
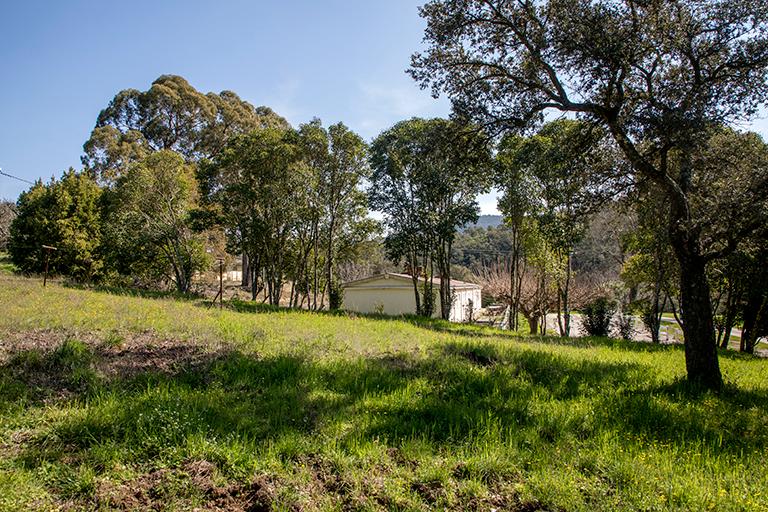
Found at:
<point>487,221</point>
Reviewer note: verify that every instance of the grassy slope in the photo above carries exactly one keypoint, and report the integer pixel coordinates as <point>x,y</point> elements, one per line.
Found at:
<point>290,410</point>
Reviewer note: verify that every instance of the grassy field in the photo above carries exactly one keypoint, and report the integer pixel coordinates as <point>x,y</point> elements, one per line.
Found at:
<point>117,402</point>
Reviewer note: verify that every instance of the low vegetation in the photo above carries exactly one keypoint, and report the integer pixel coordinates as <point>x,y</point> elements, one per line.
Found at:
<point>117,402</point>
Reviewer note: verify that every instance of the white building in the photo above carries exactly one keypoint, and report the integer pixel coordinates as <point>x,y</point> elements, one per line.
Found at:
<point>392,294</point>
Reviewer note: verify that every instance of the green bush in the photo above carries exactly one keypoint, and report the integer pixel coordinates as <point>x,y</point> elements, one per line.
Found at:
<point>597,317</point>
<point>65,214</point>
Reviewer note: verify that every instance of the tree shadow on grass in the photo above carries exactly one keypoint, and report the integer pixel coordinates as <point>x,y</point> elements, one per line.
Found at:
<point>458,395</point>
<point>129,291</point>
<point>242,306</point>
<point>627,399</point>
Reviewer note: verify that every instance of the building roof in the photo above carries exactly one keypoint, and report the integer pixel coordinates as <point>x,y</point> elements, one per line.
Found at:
<point>455,283</point>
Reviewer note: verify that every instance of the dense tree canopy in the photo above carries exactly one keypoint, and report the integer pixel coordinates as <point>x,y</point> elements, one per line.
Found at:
<point>556,177</point>
<point>651,87</point>
<point>259,175</point>
<point>426,177</point>
<point>150,225</point>
<point>171,115</point>
<point>64,214</point>
<point>291,201</point>
<point>657,75</point>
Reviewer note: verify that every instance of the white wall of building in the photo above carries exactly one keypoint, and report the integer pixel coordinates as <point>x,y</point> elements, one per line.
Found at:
<point>394,296</point>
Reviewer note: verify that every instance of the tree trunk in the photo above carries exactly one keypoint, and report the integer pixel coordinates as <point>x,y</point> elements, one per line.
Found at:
<point>444,267</point>
<point>315,242</point>
<point>428,296</point>
<point>512,312</point>
<point>730,315</point>
<point>655,313</point>
<point>753,310</point>
<point>413,263</point>
<point>329,284</point>
<point>566,299</point>
<point>533,323</point>
<point>514,300</point>
<point>698,326</point>
<point>246,273</point>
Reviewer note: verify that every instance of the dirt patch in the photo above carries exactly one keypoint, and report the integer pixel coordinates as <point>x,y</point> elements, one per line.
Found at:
<point>394,362</point>
<point>328,480</point>
<point>42,340</point>
<point>399,458</point>
<point>145,353</point>
<point>195,483</point>
<point>116,355</point>
<point>430,492</point>
<point>50,366</point>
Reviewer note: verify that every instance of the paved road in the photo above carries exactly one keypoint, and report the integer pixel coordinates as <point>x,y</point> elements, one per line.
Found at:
<point>669,332</point>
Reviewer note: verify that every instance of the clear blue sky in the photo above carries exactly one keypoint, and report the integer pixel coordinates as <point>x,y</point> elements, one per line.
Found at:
<point>340,60</point>
<point>61,63</point>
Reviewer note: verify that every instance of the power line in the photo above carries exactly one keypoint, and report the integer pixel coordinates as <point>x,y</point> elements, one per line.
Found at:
<point>15,177</point>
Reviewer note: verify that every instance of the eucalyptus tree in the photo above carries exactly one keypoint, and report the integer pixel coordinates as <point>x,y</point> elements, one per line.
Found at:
<point>150,224</point>
<point>656,75</point>
<point>308,254</point>
<point>344,201</point>
<point>257,177</point>
<point>170,115</point>
<point>333,212</point>
<point>517,204</point>
<point>426,178</point>
<point>394,191</point>
<point>556,176</point>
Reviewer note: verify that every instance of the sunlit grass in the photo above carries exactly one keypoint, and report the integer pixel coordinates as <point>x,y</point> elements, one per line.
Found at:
<point>340,412</point>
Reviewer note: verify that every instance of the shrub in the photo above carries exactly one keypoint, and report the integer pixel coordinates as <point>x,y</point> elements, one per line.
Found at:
<point>63,213</point>
<point>335,296</point>
<point>597,317</point>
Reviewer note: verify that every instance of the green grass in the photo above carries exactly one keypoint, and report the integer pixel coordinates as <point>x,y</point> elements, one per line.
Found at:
<point>112,401</point>
<point>6,266</point>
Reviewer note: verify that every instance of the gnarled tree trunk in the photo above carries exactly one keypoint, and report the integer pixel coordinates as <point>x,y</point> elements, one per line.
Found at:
<point>698,326</point>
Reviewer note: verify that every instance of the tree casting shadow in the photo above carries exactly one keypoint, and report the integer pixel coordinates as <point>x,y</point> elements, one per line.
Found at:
<point>453,396</point>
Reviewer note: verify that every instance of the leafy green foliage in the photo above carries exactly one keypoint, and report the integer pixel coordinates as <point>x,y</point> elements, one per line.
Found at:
<point>426,177</point>
<point>345,203</point>
<point>657,76</point>
<point>477,247</point>
<point>150,228</point>
<point>64,214</point>
<point>260,177</point>
<point>597,317</point>
<point>549,182</point>
<point>554,175</point>
<point>172,115</point>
